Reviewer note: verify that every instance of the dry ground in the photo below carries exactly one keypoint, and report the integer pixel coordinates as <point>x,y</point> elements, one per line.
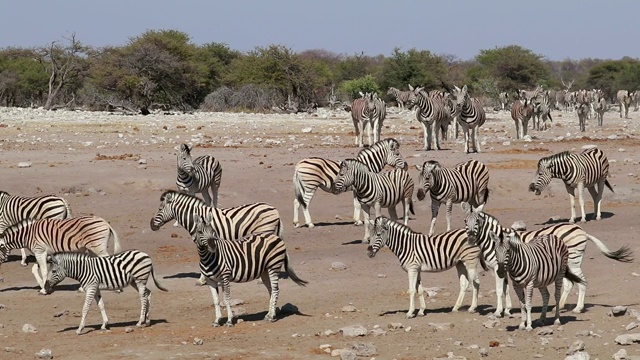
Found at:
<point>93,159</point>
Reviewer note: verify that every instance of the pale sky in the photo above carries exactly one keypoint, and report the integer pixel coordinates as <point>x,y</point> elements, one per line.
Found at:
<point>556,29</point>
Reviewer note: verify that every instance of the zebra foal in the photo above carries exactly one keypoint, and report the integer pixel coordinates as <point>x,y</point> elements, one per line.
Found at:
<point>536,264</point>
<point>421,253</point>
<point>257,256</point>
<point>200,175</point>
<point>115,272</point>
<point>402,97</point>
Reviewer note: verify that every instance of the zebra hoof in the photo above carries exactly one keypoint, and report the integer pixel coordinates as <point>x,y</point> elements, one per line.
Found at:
<point>269,319</point>
<point>577,310</point>
<point>557,322</point>
<point>358,223</point>
<point>215,324</point>
<point>25,264</point>
<point>228,324</point>
<point>310,225</point>
<point>583,220</point>
<point>296,225</point>
<point>471,310</point>
<point>410,315</point>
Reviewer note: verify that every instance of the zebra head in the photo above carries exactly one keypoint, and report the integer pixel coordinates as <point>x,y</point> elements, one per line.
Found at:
<point>56,274</point>
<point>205,234</point>
<point>185,162</point>
<point>426,177</point>
<point>165,211</point>
<point>380,235</point>
<point>389,149</point>
<point>345,176</point>
<point>502,244</point>
<point>460,97</point>
<point>542,178</point>
<point>474,221</point>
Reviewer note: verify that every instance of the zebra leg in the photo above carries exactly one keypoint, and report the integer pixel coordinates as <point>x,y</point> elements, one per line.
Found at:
<point>517,129</point>
<point>357,209</point>
<point>435,207</point>
<point>308,196</point>
<point>572,199</point>
<point>567,285</point>
<point>213,286</point>
<point>214,194</point>
<point>393,214</point>
<point>103,312</point>
<point>472,276</point>
<point>426,132</point>
<point>449,205</point>
<point>406,205</point>
<point>226,288</point>
<point>556,295</point>
<point>413,286</point>
<point>465,129</point>
<point>423,303</point>
<point>367,223</point>
<point>502,290</point>
<point>145,294</point>
<point>523,308</point>
<point>545,304</point>
<point>474,139</point>
<point>41,259</point>
<point>463,275</point>
<point>528,296</point>
<point>270,279</point>
<point>596,195</point>
<point>23,253</point>
<point>90,292</point>
<point>581,201</point>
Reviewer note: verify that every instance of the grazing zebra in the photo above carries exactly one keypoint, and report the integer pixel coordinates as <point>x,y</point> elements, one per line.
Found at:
<point>471,117</point>
<point>625,98</point>
<point>14,209</point>
<point>601,108</point>
<point>541,113</point>
<point>368,113</point>
<point>420,253</point>
<point>230,223</point>
<point>582,110</point>
<point>538,263</point>
<point>313,173</point>
<point>431,112</point>
<point>589,169</point>
<point>200,175</point>
<point>466,182</point>
<point>521,112</point>
<point>376,190</point>
<point>402,97</point>
<point>115,272</point>
<point>258,256</point>
<point>504,99</point>
<point>479,225</point>
<point>47,236</point>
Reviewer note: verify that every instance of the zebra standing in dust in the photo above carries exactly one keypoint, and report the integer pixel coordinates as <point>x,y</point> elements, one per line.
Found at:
<point>402,97</point>
<point>582,110</point>
<point>200,175</point>
<point>420,253</point>
<point>376,190</point>
<point>466,182</point>
<point>14,209</point>
<point>230,223</point>
<point>504,99</point>
<point>625,98</point>
<point>368,113</point>
<point>48,236</point>
<point>600,108</point>
<point>521,112</point>
<point>538,263</point>
<point>479,225</point>
<point>431,112</point>
<point>588,169</point>
<point>541,112</point>
<point>258,256</point>
<point>471,116</point>
<point>115,272</point>
<point>313,173</point>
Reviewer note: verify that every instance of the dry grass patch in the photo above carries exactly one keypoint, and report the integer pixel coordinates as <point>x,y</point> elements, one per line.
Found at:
<point>134,157</point>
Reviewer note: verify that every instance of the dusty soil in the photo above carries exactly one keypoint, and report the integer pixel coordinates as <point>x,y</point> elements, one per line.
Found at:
<point>93,160</point>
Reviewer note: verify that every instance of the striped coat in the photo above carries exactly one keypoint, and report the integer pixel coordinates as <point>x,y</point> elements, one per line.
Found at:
<point>471,116</point>
<point>521,112</point>
<point>431,112</point>
<point>200,175</point>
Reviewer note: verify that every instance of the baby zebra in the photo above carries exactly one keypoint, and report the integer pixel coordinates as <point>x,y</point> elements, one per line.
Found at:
<point>255,256</point>
<point>421,253</point>
<point>115,272</point>
<point>538,263</point>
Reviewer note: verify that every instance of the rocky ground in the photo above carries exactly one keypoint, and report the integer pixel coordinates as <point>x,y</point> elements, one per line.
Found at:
<point>117,166</point>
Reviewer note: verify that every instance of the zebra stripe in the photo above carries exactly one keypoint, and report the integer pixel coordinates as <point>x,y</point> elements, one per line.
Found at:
<point>313,173</point>
<point>431,112</point>
<point>466,182</point>
<point>471,116</point>
<point>368,113</point>
<point>479,225</point>
<point>200,175</point>
<point>376,190</point>
<point>258,256</point>
<point>541,112</point>
<point>115,272</point>
<point>402,97</point>
<point>48,236</point>
<point>625,98</point>
<point>601,108</point>
<point>538,263</point>
<point>521,112</point>
<point>582,110</point>
<point>420,253</point>
<point>588,169</point>
<point>14,209</point>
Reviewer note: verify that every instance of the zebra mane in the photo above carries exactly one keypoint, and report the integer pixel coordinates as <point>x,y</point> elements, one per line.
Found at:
<point>178,194</point>
<point>351,162</point>
<point>398,226</point>
<point>380,144</point>
<point>19,226</point>
<point>184,147</point>
<point>3,193</point>
<point>70,255</point>
<point>435,163</point>
<point>555,157</point>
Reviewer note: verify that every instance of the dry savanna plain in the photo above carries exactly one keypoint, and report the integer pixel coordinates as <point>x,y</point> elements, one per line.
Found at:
<point>116,167</point>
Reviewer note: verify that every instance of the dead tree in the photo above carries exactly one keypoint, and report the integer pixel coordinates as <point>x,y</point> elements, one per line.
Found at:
<point>63,63</point>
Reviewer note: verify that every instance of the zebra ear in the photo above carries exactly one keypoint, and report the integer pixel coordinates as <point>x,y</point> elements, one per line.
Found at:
<point>419,168</point>
<point>208,218</point>
<point>466,208</point>
<point>410,87</point>
<point>494,237</point>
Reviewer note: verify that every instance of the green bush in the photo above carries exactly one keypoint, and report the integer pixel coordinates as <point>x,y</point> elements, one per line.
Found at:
<point>364,84</point>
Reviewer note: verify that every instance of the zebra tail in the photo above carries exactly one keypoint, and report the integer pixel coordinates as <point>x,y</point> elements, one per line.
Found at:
<point>624,254</point>
<point>606,182</point>
<point>411,207</point>
<point>68,207</point>
<point>291,273</point>
<point>573,277</point>
<point>116,240</point>
<point>299,189</point>
<point>280,230</point>
<point>153,275</point>
<point>483,262</point>
<point>486,197</point>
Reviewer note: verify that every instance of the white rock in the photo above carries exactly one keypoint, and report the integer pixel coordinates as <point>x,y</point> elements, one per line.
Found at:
<point>28,328</point>
<point>307,130</point>
<point>395,326</point>
<point>627,339</point>
<point>441,326</point>
<point>348,308</point>
<point>631,326</point>
<point>618,311</point>
<point>142,161</point>
<point>24,164</point>
<point>128,329</point>
<point>44,354</point>
<point>577,346</point>
<point>197,341</point>
<point>353,330</point>
<point>338,266</point>
<point>582,355</point>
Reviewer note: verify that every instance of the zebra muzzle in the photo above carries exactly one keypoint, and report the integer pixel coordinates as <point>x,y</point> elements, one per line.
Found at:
<point>420,194</point>
<point>532,188</point>
<point>370,252</point>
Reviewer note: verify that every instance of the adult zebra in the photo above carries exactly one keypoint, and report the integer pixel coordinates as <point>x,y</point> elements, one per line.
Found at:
<point>539,263</point>
<point>601,107</point>
<point>503,97</point>
<point>368,113</point>
<point>376,190</point>
<point>14,209</point>
<point>420,253</point>
<point>402,97</point>
<point>479,225</point>
<point>471,116</point>
<point>258,256</point>
<point>230,223</point>
<point>625,99</point>
<point>200,175</point>
<point>431,112</point>
<point>541,112</point>
<point>521,112</point>
<point>115,272</point>
<point>313,173</point>
<point>589,169</point>
<point>48,236</point>
<point>466,182</point>
<point>582,110</point>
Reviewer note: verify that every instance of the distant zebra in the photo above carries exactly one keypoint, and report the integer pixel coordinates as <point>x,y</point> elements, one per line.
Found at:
<point>402,97</point>
<point>589,169</point>
<point>368,113</point>
<point>48,236</point>
<point>521,112</point>
<point>471,117</point>
<point>14,209</point>
<point>376,190</point>
<point>313,173</point>
<point>582,110</point>
<point>466,182</point>
<point>420,253</point>
<point>504,99</point>
<point>200,175</point>
<point>115,272</point>
<point>538,263</point>
<point>541,113</point>
<point>431,112</point>
<point>601,108</point>
<point>479,225</point>
<point>258,256</point>
<point>230,223</point>
<point>625,99</point>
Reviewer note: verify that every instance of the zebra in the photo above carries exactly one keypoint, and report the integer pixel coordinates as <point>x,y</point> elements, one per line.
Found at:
<point>313,173</point>
<point>601,108</point>
<point>115,272</point>
<point>504,99</point>
<point>230,223</point>
<point>368,110</point>
<point>625,99</point>
<point>14,208</point>
<point>582,110</point>
<point>521,112</point>
<point>402,97</point>
<point>376,190</point>
<point>480,224</point>
<point>420,253</point>
<point>466,182</point>
<point>47,236</point>
<point>530,94</point>
<point>541,113</point>
<point>589,169</point>
<point>256,256</point>
<point>431,112</point>
<point>471,116</point>
<point>200,175</point>
<point>539,263</point>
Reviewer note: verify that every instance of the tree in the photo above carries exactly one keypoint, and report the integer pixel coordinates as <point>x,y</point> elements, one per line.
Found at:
<point>64,64</point>
<point>415,67</point>
<point>23,80</point>
<point>364,84</point>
